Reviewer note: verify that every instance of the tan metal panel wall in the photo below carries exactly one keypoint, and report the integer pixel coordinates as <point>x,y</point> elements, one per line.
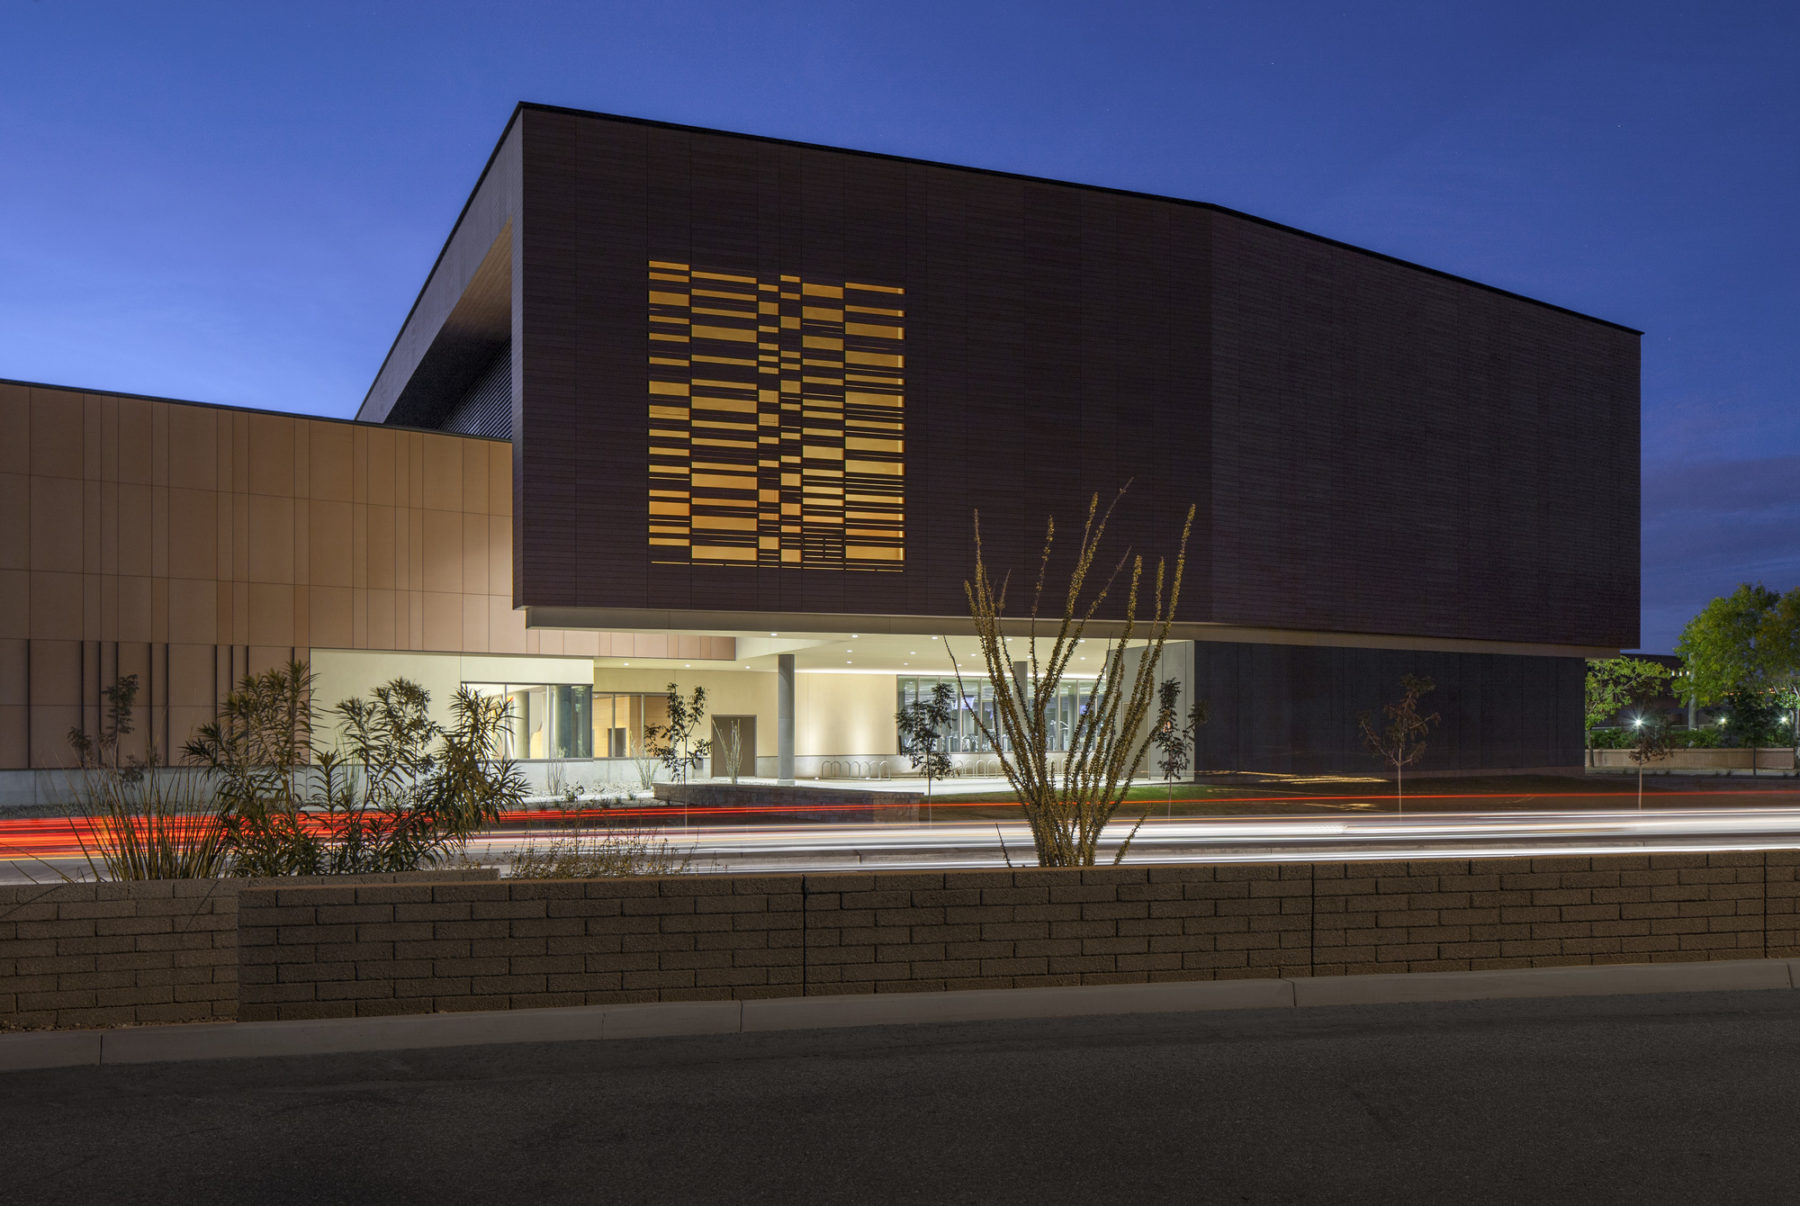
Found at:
<point>193,544</point>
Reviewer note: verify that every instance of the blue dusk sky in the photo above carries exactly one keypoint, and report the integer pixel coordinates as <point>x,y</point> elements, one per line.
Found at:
<point>237,203</point>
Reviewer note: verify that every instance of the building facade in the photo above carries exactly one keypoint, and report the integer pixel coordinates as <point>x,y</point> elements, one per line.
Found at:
<point>683,405</point>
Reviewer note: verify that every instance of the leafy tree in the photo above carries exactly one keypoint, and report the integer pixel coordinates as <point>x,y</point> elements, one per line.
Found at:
<point>398,792</point>
<point>674,744</point>
<point>922,725</point>
<point>1172,735</point>
<point>1401,741</point>
<point>1735,643</point>
<point>1746,642</point>
<point>1616,683</point>
<point>1757,718</point>
<point>1068,807</point>
<point>1779,639</point>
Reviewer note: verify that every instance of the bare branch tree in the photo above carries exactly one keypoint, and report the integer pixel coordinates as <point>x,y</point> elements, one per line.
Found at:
<point>1068,808</point>
<point>1649,743</point>
<point>1401,742</point>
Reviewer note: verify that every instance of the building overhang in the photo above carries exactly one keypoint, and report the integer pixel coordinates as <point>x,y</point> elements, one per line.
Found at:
<point>768,624</point>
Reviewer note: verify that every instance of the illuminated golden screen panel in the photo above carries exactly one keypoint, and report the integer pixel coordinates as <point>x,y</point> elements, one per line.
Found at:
<point>777,421</point>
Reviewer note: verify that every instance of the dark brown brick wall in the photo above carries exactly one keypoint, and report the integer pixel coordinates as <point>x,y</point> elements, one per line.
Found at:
<point>1391,445</point>
<point>120,954</point>
<point>418,948</point>
<point>1295,708</point>
<point>1372,447</point>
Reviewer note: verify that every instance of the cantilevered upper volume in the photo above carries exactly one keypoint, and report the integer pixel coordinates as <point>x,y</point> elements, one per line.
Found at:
<point>757,384</point>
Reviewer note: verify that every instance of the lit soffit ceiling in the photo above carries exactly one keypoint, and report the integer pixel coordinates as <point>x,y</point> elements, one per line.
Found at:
<point>859,653</point>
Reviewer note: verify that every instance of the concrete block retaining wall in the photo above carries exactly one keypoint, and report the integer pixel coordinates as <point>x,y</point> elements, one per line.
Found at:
<point>1712,761</point>
<point>110,954</point>
<point>343,951</point>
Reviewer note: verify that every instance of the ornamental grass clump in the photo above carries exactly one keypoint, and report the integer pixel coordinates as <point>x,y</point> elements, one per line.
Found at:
<point>599,852</point>
<point>1069,806</point>
<point>135,818</point>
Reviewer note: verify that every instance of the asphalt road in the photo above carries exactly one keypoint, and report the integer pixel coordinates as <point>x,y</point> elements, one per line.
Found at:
<point>1678,1099</point>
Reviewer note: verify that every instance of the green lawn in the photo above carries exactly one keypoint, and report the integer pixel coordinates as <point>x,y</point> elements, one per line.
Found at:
<point>1261,795</point>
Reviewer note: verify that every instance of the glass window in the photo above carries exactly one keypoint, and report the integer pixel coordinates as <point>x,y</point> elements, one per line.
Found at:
<point>963,734</point>
<point>620,719</point>
<point>546,720</point>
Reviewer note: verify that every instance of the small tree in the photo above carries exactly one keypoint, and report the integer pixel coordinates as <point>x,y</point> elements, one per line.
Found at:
<point>1401,741</point>
<point>1067,809</point>
<point>1649,742</point>
<point>1173,736</point>
<point>674,744</point>
<point>1756,719</point>
<point>922,725</point>
<point>1616,683</point>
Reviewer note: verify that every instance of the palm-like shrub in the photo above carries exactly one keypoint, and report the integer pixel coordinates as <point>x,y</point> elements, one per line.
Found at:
<point>395,792</point>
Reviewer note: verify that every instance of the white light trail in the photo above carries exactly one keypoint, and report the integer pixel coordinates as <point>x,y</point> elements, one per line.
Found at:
<point>826,846</point>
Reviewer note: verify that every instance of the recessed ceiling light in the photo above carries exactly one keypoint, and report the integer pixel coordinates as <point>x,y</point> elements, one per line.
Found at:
<point>628,663</point>
<point>690,665</point>
<point>774,634</point>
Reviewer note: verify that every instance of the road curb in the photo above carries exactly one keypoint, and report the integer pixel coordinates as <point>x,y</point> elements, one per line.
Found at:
<point>901,1008</point>
<point>1587,981</point>
<point>250,1040</point>
<point>49,1049</point>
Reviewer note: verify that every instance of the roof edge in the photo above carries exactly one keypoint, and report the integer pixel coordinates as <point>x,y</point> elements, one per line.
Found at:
<point>455,226</point>
<point>1099,188</point>
<point>243,410</point>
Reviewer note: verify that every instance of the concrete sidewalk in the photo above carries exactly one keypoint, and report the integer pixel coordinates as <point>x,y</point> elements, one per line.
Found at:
<point>248,1040</point>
